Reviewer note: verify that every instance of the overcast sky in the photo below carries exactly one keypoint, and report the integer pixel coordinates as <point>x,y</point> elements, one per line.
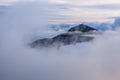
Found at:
<point>83,2</point>
<point>81,10</point>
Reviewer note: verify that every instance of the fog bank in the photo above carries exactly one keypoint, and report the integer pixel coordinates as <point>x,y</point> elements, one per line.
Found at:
<point>97,60</point>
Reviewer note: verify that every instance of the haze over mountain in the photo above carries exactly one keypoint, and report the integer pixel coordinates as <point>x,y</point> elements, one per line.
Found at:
<point>77,34</point>
<point>23,22</point>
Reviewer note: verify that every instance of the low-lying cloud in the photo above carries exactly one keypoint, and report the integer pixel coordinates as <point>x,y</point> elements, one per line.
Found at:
<point>97,60</point>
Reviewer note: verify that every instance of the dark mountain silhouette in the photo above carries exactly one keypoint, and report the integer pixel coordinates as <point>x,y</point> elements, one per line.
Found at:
<point>82,28</point>
<point>70,37</point>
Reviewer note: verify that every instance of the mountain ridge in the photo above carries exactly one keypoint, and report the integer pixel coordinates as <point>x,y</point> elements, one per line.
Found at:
<point>76,34</point>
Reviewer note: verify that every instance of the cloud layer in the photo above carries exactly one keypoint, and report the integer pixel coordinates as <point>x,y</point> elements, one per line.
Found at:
<point>98,60</point>
<point>76,11</point>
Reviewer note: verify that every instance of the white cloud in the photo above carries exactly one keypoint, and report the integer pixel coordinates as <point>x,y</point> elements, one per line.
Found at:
<point>99,60</point>
<point>77,2</point>
<point>7,1</point>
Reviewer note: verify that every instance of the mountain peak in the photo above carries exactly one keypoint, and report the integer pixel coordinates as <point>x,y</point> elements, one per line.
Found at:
<point>67,38</point>
<point>82,28</point>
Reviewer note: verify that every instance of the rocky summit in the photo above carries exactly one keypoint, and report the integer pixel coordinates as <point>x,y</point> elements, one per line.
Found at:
<point>77,34</point>
<point>82,28</point>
